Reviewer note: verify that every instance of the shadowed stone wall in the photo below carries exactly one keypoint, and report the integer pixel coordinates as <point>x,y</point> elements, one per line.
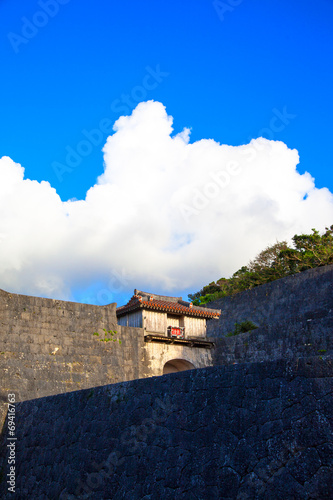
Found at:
<point>237,432</point>
<point>294,315</point>
<point>304,296</point>
<point>296,338</point>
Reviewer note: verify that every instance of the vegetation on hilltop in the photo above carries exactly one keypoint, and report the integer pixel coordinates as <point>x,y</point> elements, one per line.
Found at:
<point>276,261</point>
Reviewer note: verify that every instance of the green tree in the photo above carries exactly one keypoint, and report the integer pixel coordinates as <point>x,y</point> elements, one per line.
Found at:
<point>310,250</point>
<point>274,262</point>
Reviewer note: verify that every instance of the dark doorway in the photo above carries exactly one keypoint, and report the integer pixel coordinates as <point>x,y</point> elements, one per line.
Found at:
<point>177,365</point>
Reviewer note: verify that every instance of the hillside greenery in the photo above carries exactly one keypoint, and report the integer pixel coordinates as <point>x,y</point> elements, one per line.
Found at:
<point>276,261</point>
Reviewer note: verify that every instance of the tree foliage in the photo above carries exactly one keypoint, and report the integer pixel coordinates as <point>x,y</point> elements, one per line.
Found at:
<point>276,261</point>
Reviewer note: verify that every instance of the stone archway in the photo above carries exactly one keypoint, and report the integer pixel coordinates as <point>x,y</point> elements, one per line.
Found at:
<point>177,365</point>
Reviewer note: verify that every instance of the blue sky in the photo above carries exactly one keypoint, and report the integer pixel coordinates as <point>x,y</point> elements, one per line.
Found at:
<point>224,70</point>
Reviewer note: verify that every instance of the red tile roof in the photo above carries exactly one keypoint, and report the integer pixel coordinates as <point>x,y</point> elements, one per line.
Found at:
<point>143,300</point>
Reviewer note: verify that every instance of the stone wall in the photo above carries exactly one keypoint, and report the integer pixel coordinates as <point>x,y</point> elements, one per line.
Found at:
<point>307,295</point>
<point>294,315</point>
<point>237,432</point>
<point>296,338</point>
<point>49,347</point>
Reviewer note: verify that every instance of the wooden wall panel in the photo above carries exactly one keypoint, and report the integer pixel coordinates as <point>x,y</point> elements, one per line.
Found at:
<point>195,327</point>
<point>173,320</point>
<point>123,320</point>
<point>155,321</point>
<point>135,319</point>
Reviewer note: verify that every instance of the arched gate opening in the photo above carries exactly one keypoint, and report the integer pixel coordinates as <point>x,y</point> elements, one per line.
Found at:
<point>177,365</point>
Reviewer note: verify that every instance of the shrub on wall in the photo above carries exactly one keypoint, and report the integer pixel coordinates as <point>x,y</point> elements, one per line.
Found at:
<point>243,327</point>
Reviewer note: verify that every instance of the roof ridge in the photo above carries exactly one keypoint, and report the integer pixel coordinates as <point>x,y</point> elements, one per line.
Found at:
<point>156,296</point>
<point>177,307</point>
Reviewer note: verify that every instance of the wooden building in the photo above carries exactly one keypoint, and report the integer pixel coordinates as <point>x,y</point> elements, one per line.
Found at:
<point>168,317</point>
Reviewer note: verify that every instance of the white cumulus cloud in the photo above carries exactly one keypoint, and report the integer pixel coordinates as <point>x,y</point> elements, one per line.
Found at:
<point>165,215</point>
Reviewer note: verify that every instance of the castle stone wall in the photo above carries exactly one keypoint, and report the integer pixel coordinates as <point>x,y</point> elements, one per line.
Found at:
<point>238,432</point>
<point>49,347</point>
<point>307,295</point>
<point>296,338</point>
<point>294,316</point>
